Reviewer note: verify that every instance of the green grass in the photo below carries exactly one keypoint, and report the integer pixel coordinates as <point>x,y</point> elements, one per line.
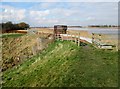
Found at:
<point>11,35</point>
<point>64,64</point>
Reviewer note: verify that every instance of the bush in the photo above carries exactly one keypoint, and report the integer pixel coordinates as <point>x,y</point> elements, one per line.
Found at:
<point>10,26</point>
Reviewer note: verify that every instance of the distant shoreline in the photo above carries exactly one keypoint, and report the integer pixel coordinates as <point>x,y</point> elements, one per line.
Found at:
<point>103,27</point>
<point>114,28</point>
<point>94,27</point>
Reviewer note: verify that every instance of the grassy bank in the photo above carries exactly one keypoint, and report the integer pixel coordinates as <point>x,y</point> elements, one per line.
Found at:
<point>64,64</point>
<point>16,48</point>
<point>7,35</point>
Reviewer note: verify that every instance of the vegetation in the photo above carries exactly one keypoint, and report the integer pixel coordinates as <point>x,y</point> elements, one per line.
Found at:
<point>75,26</point>
<point>10,26</point>
<point>64,64</point>
<point>11,35</point>
<point>102,26</point>
<point>15,49</point>
<point>18,47</point>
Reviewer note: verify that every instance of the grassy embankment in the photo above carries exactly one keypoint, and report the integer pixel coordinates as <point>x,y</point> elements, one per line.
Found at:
<point>16,48</point>
<point>64,64</point>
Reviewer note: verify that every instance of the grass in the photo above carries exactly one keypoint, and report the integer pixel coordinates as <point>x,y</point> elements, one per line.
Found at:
<point>11,35</point>
<point>16,49</point>
<point>64,64</point>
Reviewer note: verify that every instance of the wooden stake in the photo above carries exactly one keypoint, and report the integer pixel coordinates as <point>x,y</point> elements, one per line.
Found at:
<point>78,39</point>
<point>116,47</point>
<point>70,37</point>
<point>67,35</point>
<point>100,37</point>
<point>93,38</point>
<point>75,38</point>
<point>62,38</point>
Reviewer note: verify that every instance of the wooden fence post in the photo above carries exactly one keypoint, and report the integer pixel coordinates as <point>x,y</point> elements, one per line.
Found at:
<point>117,48</point>
<point>58,36</point>
<point>100,38</point>
<point>41,43</point>
<point>62,38</point>
<point>78,39</point>
<point>34,50</point>
<point>71,37</point>
<point>93,38</point>
<point>38,45</point>
<point>67,35</point>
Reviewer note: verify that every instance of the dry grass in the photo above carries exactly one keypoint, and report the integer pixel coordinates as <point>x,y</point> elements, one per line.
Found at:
<point>82,33</point>
<point>45,30</point>
<point>18,47</point>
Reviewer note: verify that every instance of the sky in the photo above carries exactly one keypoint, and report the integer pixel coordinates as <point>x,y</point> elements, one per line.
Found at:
<point>67,13</point>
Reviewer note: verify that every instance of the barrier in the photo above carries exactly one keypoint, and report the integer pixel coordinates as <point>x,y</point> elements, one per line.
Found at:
<point>104,41</point>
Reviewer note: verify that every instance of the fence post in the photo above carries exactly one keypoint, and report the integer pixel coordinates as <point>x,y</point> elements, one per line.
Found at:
<point>93,38</point>
<point>41,43</point>
<point>116,47</point>
<point>67,35</point>
<point>78,39</point>
<point>58,36</point>
<point>100,37</point>
<point>38,43</point>
<point>75,38</point>
<point>34,50</point>
<point>55,36</point>
<point>70,36</point>
<point>62,38</point>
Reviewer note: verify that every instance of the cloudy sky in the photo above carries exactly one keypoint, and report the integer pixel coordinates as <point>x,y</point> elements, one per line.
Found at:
<point>51,13</point>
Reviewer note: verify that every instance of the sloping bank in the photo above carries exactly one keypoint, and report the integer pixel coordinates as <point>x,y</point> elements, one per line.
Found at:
<point>16,48</point>
<point>64,64</point>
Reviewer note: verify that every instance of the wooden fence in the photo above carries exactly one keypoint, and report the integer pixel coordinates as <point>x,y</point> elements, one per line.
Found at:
<point>98,40</point>
<point>69,36</point>
<point>101,41</point>
<point>104,41</point>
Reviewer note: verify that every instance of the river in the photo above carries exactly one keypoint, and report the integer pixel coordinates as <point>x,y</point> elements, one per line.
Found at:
<point>113,31</point>
<point>108,31</point>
